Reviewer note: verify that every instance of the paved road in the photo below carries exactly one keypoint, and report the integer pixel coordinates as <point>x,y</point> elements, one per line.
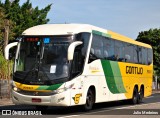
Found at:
<point>150,105</point>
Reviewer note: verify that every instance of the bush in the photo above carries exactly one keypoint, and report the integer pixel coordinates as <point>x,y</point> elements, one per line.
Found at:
<point>5,67</point>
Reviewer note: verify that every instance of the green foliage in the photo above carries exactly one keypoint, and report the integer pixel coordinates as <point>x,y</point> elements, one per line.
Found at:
<point>20,18</point>
<point>2,17</point>
<point>3,21</point>
<point>152,37</point>
<point>5,67</point>
<point>24,16</point>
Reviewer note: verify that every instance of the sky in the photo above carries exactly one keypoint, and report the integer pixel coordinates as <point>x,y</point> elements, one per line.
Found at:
<point>127,17</point>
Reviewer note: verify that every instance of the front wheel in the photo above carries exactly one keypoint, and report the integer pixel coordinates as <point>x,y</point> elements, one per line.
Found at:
<point>89,100</point>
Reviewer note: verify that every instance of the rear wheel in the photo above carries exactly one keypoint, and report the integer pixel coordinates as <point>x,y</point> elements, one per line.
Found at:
<point>134,99</point>
<point>89,100</point>
<point>140,95</point>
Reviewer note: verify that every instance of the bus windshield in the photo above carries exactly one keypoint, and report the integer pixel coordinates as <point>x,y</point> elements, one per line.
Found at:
<point>42,60</point>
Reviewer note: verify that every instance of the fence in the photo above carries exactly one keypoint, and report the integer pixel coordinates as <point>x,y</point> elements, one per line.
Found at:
<point>155,84</point>
<point>4,88</point>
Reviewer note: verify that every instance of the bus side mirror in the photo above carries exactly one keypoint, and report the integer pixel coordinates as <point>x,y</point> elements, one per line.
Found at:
<point>71,49</point>
<point>7,48</point>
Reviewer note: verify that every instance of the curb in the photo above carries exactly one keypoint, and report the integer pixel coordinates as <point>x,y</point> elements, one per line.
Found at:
<point>6,101</point>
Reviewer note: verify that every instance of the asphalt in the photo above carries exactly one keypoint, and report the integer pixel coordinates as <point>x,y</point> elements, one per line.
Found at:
<point>8,101</point>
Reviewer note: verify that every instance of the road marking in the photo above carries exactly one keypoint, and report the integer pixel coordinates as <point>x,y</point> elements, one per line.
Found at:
<point>135,105</point>
<point>105,109</point>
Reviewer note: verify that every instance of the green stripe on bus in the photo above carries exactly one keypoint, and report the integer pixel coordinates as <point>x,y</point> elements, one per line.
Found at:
<point>117,76</point>
<point>109,76</point>
<point>113,76</point>
<point>42,87</point>
<point>52,87</point>
<point>101,33</point>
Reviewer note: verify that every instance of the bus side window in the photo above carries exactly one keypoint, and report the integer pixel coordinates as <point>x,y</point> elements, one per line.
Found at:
<point>96,51</point>
<point>150,57</point>
<point>108,49</point>
<point>144,56</point>
<point>135,54</point>
<point>139,55</point>
<point>129,53</point>
<point>105,54</point>
<point>119,51</point>
<point>78,62</point>
<point>92,56</point>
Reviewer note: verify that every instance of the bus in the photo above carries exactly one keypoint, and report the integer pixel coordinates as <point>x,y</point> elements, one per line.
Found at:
<point>79,64</point>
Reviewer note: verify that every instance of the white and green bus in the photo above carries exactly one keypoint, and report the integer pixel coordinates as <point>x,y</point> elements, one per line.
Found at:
<point>79,64</point>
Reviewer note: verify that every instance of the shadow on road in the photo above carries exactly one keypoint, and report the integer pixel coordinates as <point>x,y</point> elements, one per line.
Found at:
<point>65,110</point>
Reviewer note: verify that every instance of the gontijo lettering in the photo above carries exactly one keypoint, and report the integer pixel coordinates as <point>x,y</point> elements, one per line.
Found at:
<point>134,70</point>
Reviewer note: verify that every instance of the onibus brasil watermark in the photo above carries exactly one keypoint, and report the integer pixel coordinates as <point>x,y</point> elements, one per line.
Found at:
<point>13,112</point>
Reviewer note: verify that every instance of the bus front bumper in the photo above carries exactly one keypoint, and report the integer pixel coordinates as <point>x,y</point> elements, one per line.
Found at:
<point>61,99</point>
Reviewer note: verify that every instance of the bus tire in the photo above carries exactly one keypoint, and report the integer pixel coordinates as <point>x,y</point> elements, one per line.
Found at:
<point>89,100</point>
<point>134,99</point>
<point>140,95</point>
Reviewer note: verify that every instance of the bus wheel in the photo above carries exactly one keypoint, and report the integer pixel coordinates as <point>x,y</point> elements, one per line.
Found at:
<point>89,100</point>
<point>140,95</point>
<point>135,96</point>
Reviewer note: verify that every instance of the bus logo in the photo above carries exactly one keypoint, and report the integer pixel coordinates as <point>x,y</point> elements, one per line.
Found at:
<point>134,70</point>
<point>77,98</point>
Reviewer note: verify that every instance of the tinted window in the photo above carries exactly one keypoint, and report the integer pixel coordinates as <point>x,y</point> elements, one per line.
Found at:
<point>139,55</point>
<point>96,48</point>
<point>115,50</point>
<point>128,52</point>
<point>108,51</point>
<point>119,50</point>
<point>144,56</point>
<point>84,37</point>
<point>150,57</point>
<point>135,54</point>
<point>80,54</point>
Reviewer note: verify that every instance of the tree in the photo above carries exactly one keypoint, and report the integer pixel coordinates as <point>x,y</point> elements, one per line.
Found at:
<point>4,23</point>
<point>5,66</point>
<point>152,37</point>
<point>2,17</point>
<point>24,16</point>
<point>18,18</point>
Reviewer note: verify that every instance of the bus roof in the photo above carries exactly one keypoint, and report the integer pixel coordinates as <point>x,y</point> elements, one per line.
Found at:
<point>68,29</point>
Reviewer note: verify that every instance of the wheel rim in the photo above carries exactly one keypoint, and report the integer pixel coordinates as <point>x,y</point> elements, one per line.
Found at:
<point>135,97</point>
<point>141,95</point>
<point>89,100</point>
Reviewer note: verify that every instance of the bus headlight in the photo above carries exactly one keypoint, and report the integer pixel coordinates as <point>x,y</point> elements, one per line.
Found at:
<point>63,89</point>
<point>15,88</point>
